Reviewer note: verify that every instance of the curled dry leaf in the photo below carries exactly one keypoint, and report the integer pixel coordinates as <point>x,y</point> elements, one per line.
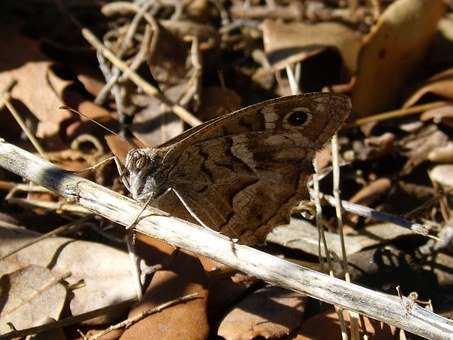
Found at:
<point>301,235</point>
<point>288,43</point>
<point>187,320</point>
<point>327,326</point>
<point>372,192</point>
<point>391,52</point>
<point>442,174</point>
<point>440,84</point>
<point>41,86</point>
<point>30,297</point>
<point>270,312</point>
<point>104,270</point>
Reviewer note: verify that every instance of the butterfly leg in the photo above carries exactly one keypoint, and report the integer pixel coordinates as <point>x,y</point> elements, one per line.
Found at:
<point>193,214</point>
<point>122,174</point>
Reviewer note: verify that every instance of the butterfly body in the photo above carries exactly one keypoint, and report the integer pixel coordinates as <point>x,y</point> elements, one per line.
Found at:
<point>241,173</point>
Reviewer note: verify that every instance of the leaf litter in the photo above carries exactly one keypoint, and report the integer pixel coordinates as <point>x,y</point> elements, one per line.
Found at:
<point>213,57</point>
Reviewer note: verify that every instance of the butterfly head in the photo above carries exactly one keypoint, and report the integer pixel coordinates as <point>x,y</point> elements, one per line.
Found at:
<point>143,177</point>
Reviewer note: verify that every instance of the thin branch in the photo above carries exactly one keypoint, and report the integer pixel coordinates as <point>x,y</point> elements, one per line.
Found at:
<point>400,113</point>
<point>197,240</point>
<point>64,228</point>
<point>144,314</point>
<point>180,111</point>
<point>381,216</point>
<point>5,101</point>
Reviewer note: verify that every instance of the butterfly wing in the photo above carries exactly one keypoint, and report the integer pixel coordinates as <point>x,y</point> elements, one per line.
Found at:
<point>242,173</point>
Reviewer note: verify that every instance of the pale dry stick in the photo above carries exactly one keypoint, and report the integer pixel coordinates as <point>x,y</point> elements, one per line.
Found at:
<point>376,6</point>
<point>354,326</point>
<point>68,321</point>
<point>295,89</point>
<point>135,263</point>
<point>192,238</point>
<point>7,89</point>
<point>139,81</point>
<point>336,195</point>
<point>128,322</point>
<point>5,100</point>
<point>380,216</point>
<point>353,6</point>
<point>72,226</point>
<point>195,80</point>
<point>399,113</point>
<point>315,194</point>
<point>52,206</point>
<point>140,12</point>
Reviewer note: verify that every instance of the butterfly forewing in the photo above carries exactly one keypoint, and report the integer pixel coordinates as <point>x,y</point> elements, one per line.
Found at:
<point>242,173</point>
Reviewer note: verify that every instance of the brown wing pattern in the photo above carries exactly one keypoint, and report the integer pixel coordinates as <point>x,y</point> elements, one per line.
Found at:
<point>243,173</point>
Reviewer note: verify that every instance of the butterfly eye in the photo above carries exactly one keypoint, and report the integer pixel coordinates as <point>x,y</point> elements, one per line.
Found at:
<point>141,161</point>
<point>298,117</point>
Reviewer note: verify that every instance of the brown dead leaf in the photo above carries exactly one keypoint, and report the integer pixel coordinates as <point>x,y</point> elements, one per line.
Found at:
<point>42,87</point>
<point>155,124</point>
<point>167,62</point>
<point>287,43</point>
<point>30,297</point>
<point>182,321</point>
<point>270,312</point>
<point>104,270</point>
<point>391,52</point>
<point>326,326</point>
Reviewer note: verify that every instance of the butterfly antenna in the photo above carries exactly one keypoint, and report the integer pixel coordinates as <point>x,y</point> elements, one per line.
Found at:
<point>64,107</point>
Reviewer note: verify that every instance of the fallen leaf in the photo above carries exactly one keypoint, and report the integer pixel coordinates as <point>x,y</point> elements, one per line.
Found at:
<point>41,86</point>
<point>287,43</point>
<point>270,312</point>
<point>187,320</point>
<point>301,235</point>
<point>30,296</point>
<point>104,270</point>
<point>154,124</point>
<point>391,51</point>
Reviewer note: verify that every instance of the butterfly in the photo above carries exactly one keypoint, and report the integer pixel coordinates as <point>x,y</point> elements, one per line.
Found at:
<point>242,173</point>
